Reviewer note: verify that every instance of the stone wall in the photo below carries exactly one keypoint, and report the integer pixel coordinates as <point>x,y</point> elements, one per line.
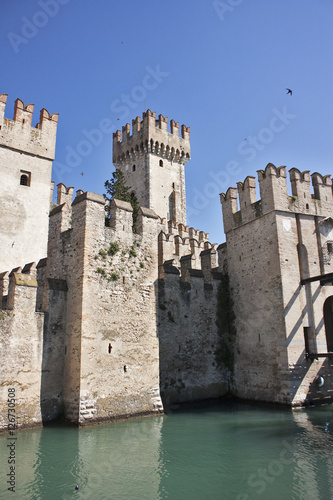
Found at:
<point>111,361</point>
<point>188,335</point>
<point>21,346</point>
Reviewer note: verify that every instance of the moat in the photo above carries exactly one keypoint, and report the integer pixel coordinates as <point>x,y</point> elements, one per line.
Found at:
<point>229,451</point>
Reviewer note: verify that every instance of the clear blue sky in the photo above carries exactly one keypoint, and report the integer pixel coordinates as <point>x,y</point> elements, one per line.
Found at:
<point>222,69</point>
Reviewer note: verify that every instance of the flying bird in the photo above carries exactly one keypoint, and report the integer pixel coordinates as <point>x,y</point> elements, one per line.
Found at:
<point>289,92</point>
<point>82,173</point>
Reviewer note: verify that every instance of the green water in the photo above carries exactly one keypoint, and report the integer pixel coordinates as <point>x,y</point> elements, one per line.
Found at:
<point>229,451</point>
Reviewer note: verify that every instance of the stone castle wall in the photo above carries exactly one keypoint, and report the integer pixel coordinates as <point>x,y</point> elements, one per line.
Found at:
<point>188,335</point>
<point>115,325</point>
<point>103,321</point>
<point>21,345</point>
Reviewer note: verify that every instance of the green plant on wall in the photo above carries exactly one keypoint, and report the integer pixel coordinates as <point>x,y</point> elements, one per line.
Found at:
<point>225,321</point>
<point>113,248</point>
<point>114,277</point>
<point>101,271</point>
<point>132,252</point>
<point>116,188</point>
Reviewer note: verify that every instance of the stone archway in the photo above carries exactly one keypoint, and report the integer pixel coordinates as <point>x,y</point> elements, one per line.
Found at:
<point>328,319</point>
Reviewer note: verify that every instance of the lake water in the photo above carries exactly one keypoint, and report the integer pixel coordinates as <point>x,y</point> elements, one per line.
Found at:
<point>226,451</point>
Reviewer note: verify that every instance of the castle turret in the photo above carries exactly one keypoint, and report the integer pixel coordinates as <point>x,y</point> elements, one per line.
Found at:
<point>153,160</point>
<point>278,255</point>
<point>26,155</point>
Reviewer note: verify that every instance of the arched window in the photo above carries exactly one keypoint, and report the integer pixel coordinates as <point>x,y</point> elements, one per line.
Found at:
<point>328,319</point>
<point>24,180</point>
<point>161,163</point>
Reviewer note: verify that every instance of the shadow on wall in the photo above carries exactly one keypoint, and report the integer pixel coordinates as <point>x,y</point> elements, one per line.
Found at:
<point>54,352</point>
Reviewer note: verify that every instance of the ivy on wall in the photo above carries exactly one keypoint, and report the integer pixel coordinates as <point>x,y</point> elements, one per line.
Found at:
<point>225,322</point>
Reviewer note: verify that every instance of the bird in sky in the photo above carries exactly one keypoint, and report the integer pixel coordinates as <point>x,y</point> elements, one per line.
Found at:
<point>289,92</point>
<point>82,173</point>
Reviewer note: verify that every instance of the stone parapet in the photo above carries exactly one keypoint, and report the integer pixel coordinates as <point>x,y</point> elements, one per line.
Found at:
<point>18,133</point>
<point>150,135</point>
<point>239,206</point>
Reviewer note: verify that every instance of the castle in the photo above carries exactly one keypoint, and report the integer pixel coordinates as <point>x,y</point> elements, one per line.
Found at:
<point>99,322</point>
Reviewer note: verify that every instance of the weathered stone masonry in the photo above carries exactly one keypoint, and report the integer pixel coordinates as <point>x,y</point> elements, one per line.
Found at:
<point>283,339</point>
<point>104,323</point>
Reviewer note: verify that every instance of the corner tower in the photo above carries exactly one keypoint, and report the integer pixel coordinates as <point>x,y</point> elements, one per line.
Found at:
<point>152,160</point>
<point>26,155</point>
<point>279,260</point>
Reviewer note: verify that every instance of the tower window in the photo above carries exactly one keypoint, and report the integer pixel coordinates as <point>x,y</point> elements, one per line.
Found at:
<point>133,168</point>
<point>161,163</point>
<point>330,248</point>
<point>25,178</point>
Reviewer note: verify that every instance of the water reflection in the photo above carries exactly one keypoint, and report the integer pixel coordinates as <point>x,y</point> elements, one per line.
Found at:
<point>233,451</point>
<point>313,462</point>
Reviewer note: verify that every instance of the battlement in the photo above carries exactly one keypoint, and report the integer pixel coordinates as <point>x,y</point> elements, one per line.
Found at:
<point>239,205</point>
<point>18,133</point>
<point>151,135</point>
<point>18,288</point>
<point>188,267</point>
<point>87,213</point>
<point>177,243</point>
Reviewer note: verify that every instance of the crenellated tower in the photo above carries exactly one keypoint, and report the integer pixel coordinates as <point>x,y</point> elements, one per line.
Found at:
<point>279,257</point>
<point>153,159</point>
<point>26,155</point>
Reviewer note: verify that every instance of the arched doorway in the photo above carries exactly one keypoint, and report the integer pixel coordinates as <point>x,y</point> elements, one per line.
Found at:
<point>328,319</point>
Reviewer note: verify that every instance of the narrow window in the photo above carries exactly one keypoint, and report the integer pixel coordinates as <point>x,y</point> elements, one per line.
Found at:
<point>328,320</point>
<point>330,248</point>
<point>133,168</point>
<point>306,331</point>
<point>161,163</point>
<point>25,178</point>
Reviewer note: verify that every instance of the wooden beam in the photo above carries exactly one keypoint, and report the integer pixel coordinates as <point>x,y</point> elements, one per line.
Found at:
<point>322,278</point>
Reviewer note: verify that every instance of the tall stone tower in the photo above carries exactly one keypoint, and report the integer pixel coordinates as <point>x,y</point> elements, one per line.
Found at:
<point>279,260</point>
<point>153,160</point>
<point>26,155</point>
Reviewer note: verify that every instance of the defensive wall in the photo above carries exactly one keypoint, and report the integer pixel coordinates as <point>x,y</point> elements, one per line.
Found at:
<point>109,310</point>
<point>106,323</point>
